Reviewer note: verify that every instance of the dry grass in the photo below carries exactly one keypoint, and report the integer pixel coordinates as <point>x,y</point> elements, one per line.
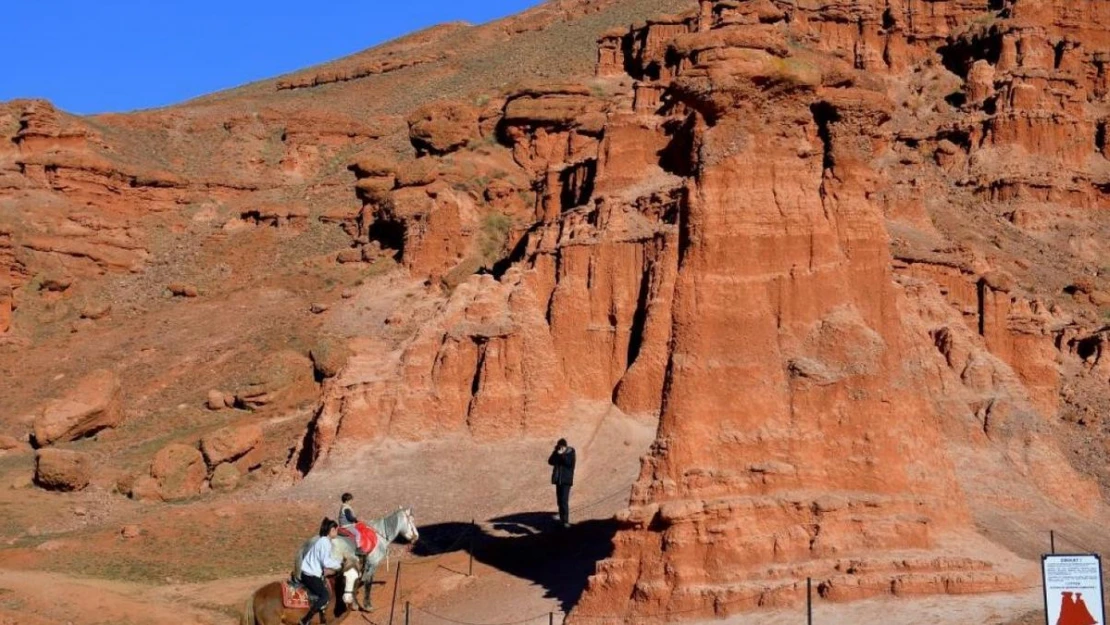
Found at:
<point>185,544</point>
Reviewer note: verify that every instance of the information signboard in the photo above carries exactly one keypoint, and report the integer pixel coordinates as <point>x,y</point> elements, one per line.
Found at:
<point>1073,589</point>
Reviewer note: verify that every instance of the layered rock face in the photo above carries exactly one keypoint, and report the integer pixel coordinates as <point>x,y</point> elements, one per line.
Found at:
<point>799,422</point>
<point>774,238</point>
<point>577,307</point>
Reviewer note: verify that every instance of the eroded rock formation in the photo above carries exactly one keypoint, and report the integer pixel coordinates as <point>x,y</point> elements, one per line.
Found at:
<point>758,236</point>
<point>834,247</point>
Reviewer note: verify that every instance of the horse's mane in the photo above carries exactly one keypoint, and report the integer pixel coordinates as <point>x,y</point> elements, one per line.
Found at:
<point>341,548</point>
<point>344,548</point>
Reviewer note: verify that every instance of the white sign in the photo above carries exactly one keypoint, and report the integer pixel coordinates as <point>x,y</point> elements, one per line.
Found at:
<point>1073,590</point>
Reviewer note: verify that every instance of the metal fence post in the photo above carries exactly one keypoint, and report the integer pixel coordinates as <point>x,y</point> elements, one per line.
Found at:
<point>550,618</point>
<point>396,587</point>
<point>1052,541</point>
<point>406,613</point>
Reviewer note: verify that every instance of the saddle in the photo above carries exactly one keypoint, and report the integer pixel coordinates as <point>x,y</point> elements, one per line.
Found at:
<point>295,595</point>
<point>367,538</point>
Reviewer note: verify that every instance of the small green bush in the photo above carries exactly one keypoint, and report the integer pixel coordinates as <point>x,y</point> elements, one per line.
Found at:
<point>494,237</point>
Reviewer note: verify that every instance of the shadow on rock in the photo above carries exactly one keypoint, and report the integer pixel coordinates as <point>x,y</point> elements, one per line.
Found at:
<point>529,545</point>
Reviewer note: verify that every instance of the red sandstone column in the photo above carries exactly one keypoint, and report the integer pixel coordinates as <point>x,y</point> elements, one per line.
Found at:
<point>705,18</point>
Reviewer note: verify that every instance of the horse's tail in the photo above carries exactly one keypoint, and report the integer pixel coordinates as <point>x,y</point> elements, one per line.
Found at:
<point>248,613</point>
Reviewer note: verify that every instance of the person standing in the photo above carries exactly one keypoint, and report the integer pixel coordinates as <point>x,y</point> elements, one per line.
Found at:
<point>317,560</point>
<point>562,462</point>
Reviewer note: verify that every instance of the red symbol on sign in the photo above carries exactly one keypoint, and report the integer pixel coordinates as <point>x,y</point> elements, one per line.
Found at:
<point>1073,611</point>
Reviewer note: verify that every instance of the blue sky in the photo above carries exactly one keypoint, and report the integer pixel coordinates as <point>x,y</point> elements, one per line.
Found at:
<point>93,56</point>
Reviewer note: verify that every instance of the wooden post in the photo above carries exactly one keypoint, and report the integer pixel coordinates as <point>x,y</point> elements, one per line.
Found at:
<point>473,530</point>
<point>396,587</point>
<point>1052,541</point>
<point>550,618</point>
<point>809,601</point>
<point>406,613</point>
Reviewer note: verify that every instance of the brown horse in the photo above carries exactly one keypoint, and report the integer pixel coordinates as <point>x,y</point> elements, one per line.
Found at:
<point>265,606</point>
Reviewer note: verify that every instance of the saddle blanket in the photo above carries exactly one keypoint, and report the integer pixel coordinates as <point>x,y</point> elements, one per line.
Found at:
<point>367,537</point>
<point>295,595</point>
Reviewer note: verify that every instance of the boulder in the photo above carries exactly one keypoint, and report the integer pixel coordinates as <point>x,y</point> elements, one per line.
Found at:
<point>422,172</point>
<point>89,407</point>
<point>373,164</point>
<point>252,460</point>
<point>218,400</point>
<point>375,190</point>
<point>64,470</point>
<point>230,443</point>
<point>286,374</point>
<point>328,357</point>
<point>179,289</point>
<point>8,443</point>
<point>225,478</point>
<point>1083,284</point>
<point>442,127</point>
<point>349,256</point>
<point>1100,298</point>
<point>145,488</point>
<point>980,82</point>
<point>372,251</point>
<point>179,471</point>
<point>55,283</point>
<point>96,310</point>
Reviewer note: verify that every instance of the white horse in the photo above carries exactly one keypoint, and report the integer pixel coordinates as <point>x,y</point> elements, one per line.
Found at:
<point>388,528</point>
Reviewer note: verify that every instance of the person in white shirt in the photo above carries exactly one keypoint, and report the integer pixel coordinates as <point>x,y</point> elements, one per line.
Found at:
<point>314,565</point>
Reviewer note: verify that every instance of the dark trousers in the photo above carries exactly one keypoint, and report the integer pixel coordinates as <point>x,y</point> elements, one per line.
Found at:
<point>562,496</point>
<point>318,588</point>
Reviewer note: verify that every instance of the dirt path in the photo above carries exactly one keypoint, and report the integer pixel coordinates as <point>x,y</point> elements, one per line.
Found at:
<point>51,598</point>
<point>524,566</point>
<point>997,609</point>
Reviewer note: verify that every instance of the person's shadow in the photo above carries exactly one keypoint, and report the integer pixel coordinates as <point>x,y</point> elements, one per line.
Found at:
<point>529,545</point>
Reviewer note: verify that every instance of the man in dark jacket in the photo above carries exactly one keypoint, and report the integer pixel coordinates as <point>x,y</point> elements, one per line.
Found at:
<point>562,476</point>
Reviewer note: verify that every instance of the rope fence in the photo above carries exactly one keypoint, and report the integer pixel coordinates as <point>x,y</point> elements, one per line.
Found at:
<point>411,611</point>
<point>411,614</point>
<point>547,617</point>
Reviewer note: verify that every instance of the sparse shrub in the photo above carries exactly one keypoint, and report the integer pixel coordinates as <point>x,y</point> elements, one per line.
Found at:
<point>793,71</point>
<point>494,237</point>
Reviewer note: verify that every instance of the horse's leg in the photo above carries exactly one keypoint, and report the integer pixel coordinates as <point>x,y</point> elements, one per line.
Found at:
<point>350,576</point>
<point>367,586</point>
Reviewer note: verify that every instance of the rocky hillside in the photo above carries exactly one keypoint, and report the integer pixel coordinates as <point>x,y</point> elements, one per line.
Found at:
<point>852,255</point>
